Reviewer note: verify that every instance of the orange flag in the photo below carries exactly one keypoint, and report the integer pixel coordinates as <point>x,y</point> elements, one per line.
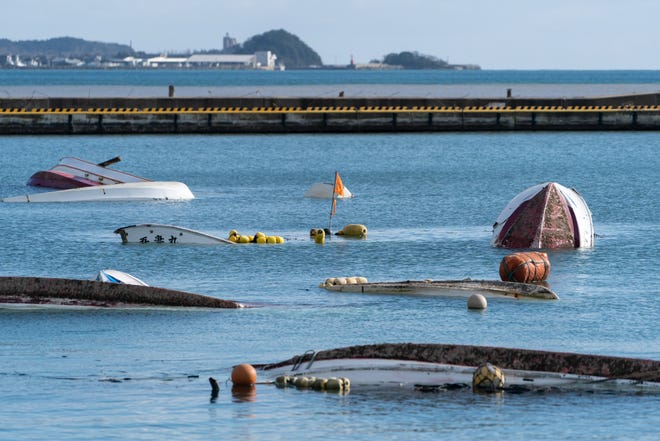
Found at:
<point>337,189</point>
<point>339,186</point>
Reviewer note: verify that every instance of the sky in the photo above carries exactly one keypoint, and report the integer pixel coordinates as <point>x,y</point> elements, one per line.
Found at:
<point>502,34</point>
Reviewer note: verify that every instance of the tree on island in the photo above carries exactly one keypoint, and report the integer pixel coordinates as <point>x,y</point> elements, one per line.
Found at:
<point>415,60</point>
<point>65,47</point>
<point>291,51</point>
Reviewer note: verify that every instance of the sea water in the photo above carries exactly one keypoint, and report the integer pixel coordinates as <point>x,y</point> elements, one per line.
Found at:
<point>496,84</point>
<point>429,202</point>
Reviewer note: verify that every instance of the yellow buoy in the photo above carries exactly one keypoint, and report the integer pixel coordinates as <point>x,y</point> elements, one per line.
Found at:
<point>329,281</point>
<point>320,236</point>
<point>353,230</point>
<point>488,378</point>
<point>334,384</point>
<point>243,239</point>
<point>244,375</point>
<point>260,239</point>
<point>279,239</point>
<point>319,384</point>
<point>282,381</point>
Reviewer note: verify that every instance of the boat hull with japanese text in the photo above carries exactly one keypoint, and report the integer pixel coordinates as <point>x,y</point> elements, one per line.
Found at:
<point>167,234</point>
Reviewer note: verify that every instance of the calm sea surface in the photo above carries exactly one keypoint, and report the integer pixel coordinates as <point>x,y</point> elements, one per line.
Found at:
<point>354,83</point>
<point>429,201</point>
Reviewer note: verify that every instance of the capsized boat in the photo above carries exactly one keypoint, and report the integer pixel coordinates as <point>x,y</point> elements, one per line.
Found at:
<point>442,288</point>
<point>57,292</point>
<point>116,276</point>
<point>167,234</point>
<point>546,215</point>
<point>72,172</point>
<point>323,190</point>
<point>427,366</point>
<point>134,191</point>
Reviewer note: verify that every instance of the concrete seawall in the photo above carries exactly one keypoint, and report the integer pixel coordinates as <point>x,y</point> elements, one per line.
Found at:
<point>318,115</point>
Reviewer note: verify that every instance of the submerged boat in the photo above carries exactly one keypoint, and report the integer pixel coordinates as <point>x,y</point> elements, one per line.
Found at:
<point>115,276</point>
<point>169,234</point>
<point>72,172</point>
<point>135,191</point>
<point>427,366</point>
<point>546,215</point>
<point>443,288</point>
<point>56,292</point>
<point>324,190</point>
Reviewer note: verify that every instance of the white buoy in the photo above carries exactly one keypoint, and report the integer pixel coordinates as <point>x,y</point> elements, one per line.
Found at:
<point>477,301</point>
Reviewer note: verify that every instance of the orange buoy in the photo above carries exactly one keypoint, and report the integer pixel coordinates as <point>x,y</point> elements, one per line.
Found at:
<point>531,266</point>
<point>244,375</point>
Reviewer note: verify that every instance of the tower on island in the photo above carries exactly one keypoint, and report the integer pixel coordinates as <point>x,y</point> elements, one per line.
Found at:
<point>228,42</point>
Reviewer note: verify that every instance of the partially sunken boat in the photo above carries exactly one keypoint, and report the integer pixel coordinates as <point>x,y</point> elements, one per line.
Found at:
<point>546,215</point>
<point>438,366</point>
<point>72,172</point>
<point>43,291</point>
<point>442,288</point>
<point>136,191</point>
<point>167,234</point>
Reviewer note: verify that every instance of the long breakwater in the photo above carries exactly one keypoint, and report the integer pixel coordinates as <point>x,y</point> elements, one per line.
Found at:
<point>323,115</point>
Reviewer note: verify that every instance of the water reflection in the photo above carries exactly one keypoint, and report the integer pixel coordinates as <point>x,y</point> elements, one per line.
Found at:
<point>244,393</point>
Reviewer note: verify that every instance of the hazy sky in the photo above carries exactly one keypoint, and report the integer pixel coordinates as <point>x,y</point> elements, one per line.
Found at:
<point>496,34</point>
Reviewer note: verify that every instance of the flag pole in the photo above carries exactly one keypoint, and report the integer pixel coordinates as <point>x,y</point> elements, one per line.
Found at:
<point>334,201</point>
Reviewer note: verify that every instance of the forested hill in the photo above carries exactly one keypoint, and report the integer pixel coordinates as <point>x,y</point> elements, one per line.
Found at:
<point>290,50</point>
<point>65,47</point>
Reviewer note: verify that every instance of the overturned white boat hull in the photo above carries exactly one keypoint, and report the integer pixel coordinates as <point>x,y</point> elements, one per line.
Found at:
<point>135,191</point>
<point>409,365</point>
<point>167,234</point>
<point>323,190</point>
<point>115,276</point>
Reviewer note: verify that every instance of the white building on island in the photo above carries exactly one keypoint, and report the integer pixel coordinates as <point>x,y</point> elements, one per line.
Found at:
<point>265,60</point>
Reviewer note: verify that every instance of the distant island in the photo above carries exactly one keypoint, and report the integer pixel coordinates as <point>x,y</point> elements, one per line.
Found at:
<point>272,50</point>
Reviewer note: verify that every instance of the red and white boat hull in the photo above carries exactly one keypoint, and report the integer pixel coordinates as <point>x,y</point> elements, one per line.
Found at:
<point>546,215</point>
<point>77,173</point>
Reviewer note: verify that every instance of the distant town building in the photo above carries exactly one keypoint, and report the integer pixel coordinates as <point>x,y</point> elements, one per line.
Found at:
<point>222,61</point>
<point>228,42</point>
<point>265,60</point>
<point>262,60</point>
<point>165,61</point>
